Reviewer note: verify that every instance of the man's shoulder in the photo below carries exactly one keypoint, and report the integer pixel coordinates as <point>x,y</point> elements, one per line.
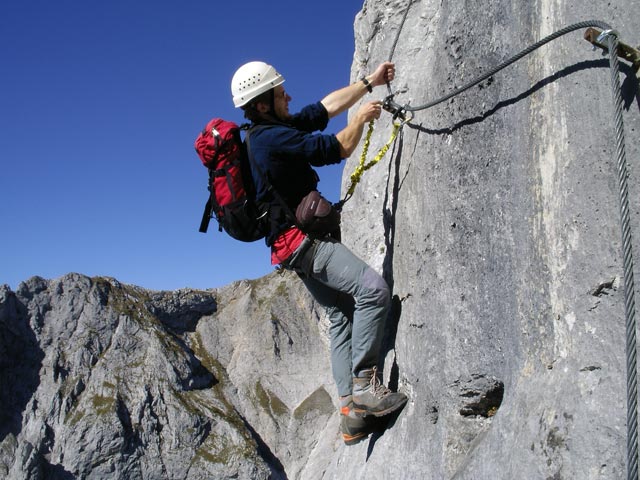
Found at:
<point>264,132</point>
<point>311,118</point>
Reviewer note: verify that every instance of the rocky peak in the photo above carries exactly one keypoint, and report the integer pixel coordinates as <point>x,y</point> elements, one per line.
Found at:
<point>106,380</point>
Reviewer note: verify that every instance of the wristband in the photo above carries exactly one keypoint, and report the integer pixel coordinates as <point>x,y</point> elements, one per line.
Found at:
<point>367,84</point>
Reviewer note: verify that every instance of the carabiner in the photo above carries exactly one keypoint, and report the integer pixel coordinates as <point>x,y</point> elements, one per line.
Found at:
<point>394,108</point>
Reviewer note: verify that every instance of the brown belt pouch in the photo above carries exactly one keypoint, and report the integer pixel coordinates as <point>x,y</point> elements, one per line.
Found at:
<point>317,216</point>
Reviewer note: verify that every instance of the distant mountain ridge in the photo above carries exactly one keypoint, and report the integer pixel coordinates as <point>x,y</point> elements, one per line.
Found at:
<point>105,380</point>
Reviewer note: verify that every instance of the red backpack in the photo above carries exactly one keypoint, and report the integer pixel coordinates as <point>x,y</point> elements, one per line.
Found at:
<point>232,191</point>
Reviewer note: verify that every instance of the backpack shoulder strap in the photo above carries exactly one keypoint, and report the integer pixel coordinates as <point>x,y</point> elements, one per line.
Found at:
<point>288,212</point>
<point>209,206</point>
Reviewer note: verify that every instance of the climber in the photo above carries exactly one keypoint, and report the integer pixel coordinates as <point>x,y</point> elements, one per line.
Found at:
<point>283,149</point>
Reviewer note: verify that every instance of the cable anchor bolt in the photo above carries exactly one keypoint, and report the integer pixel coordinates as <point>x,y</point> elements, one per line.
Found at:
<point>598,39</point>
<point>605,33</point>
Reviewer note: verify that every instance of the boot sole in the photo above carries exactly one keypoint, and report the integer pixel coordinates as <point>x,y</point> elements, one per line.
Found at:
<point>363,412</point>
<point>353,439</point>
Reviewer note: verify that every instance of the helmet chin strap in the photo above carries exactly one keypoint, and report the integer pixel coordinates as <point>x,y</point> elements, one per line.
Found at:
<point>272,107</point>
<point>271,115</point>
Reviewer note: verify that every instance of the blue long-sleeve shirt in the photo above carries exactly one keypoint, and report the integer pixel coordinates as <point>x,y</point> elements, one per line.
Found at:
<point>287,153</point>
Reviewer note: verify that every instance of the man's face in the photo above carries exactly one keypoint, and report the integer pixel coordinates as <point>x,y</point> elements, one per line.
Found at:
<point>281,103</point>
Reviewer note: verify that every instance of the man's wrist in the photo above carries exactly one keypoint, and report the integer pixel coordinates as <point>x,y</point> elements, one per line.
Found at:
<point>367,84</point>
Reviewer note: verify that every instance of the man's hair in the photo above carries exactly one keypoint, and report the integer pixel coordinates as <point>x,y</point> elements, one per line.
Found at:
<point>250,110</point>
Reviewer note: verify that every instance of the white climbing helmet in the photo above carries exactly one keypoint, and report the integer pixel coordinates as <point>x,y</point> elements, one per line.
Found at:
<point>251,80</point>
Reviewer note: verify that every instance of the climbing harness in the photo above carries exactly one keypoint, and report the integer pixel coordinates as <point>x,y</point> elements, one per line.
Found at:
<point>607,39</point>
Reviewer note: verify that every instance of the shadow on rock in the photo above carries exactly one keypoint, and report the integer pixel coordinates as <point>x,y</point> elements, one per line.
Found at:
<point>379,426</point>
<point>20,362</point>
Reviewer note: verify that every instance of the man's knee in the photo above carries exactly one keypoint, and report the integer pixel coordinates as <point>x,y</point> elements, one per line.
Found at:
<point>377,288</point>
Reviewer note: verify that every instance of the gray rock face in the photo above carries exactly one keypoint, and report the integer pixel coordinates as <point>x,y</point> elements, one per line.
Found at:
<point>494,218</point>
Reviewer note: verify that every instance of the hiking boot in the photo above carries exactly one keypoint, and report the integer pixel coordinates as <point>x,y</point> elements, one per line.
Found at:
<point>354,428</point>
<point>371,397</point>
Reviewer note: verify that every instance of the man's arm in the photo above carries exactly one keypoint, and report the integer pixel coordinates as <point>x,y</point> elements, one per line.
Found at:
<point>343,99</point>
<point>349,137</point>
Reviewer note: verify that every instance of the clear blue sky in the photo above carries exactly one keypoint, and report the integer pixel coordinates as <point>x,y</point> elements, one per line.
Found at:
<point>99,107</point>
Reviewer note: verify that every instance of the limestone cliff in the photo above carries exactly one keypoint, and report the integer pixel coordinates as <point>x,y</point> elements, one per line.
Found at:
<point>494,218</point>
<point>496,221</point>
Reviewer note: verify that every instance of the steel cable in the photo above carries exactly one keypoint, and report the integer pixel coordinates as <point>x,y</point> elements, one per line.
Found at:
<point>395,42</point>
<point>515,58</point>
<point>629,287</point>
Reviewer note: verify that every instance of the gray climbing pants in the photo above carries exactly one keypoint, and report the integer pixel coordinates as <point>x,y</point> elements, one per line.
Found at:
<point>356,299</point>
